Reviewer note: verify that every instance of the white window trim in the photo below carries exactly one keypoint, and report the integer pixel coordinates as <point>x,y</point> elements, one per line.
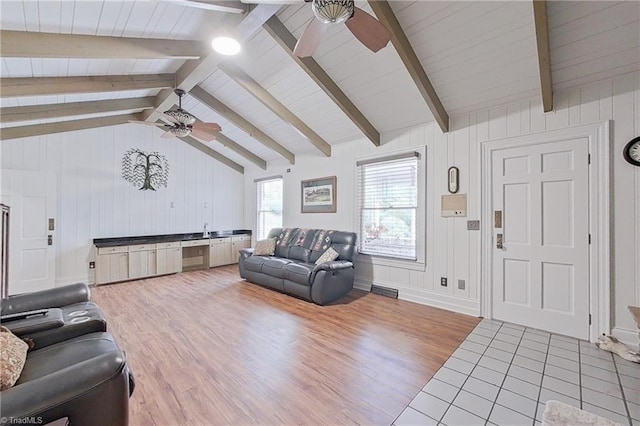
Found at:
<point>420,263</point>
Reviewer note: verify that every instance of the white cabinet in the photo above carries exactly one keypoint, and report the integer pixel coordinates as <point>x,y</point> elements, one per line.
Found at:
<point>112,264</point>
<point>169,258</point>
<point>239,242</point>
<point>142,261</point>
<point>219,252</point>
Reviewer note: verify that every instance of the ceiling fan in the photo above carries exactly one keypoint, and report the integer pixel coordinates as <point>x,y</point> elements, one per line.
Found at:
<point>183,123</point>
<point>367,29</point>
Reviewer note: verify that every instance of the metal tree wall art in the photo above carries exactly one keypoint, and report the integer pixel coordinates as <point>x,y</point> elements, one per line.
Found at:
<point>145,170</point>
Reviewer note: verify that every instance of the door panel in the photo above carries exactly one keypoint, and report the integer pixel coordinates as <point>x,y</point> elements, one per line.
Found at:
<point>541,274</point>
<point>31,197</point>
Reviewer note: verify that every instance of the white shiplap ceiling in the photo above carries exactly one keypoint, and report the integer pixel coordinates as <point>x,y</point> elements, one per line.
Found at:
<point>476,54</point>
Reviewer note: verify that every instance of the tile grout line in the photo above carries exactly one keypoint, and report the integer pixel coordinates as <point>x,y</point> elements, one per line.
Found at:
<point>580,374</point>
<point>544,365</point>
<point>495,401</point>
<point>624,400</point>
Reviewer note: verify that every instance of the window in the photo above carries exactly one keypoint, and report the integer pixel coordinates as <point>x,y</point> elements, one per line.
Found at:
<point>389,200</point>
<point>269,205</point>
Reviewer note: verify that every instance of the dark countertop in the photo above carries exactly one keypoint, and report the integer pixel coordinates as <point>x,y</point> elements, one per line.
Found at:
<point>150,239</point>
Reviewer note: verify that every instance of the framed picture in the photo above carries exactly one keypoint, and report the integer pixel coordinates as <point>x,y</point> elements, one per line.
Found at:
<point>319,195</point>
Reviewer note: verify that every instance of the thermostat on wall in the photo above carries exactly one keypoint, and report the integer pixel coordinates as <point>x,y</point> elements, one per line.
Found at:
<point>454,205</point>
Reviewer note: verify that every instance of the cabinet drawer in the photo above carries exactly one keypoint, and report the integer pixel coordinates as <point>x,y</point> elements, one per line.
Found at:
<point>168,245</point>
<point>116,249</point>
<point>142,247</point>
<point>195,243</point>
<point>215,241</point>
<point>241,238</point>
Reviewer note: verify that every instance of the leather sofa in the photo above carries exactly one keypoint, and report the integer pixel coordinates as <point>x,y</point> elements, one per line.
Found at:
<point>292,269</point>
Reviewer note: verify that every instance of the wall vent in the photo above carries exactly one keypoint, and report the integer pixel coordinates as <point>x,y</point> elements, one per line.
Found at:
<point>384,291</point>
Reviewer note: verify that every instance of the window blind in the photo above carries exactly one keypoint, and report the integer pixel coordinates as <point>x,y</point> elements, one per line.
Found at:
<point>269,206</point>
<point>388,200</point>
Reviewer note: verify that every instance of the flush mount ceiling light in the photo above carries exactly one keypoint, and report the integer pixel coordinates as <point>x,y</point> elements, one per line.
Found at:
<point>226,46</point>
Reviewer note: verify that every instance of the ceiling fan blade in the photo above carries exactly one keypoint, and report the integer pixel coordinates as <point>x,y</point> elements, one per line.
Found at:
<point>310,39</point>
<point>147,123</point>
<point>368,30</point>
<point>167,134</point>
<point>205,131</point>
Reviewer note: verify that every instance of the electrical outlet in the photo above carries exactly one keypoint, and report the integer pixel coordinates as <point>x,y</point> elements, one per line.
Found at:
<point>461,284</point>
<point>443,281</point>
<point>92,265</point>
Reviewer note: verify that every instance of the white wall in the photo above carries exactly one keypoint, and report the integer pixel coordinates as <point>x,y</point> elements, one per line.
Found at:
<point>452,251</point>
<point>94,201</point>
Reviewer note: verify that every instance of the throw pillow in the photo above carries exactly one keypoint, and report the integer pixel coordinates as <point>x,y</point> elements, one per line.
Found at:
<point>265,247</point>
<point>13,354</point>
<point>327,256</point>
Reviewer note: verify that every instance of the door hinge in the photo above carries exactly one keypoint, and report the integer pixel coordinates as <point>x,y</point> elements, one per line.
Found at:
<point>589,238</point>
<point>589,159</point>
<point>589,319</point>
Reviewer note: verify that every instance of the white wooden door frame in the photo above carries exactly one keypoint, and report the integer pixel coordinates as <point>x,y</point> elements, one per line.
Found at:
<point>598,136</point>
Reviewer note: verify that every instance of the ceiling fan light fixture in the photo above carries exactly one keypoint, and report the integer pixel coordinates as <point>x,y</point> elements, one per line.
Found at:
<point>332,11</point>
<point>226,45</point>
<point>181,116</point>
<point>180,131</point>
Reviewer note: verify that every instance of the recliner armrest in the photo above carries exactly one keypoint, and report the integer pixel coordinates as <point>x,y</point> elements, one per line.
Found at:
<point>51,298</point>
<point>246,252</point>
<point>333,265</point>
<point>36,396</point>
<point>36,322</point>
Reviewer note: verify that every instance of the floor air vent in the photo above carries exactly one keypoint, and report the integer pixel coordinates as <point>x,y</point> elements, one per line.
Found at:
<point>384,291</point>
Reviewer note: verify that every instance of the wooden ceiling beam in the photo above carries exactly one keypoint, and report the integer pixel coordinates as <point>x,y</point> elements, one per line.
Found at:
<point>267,99</point>
<point>411,62</point>
<point>65,126</point>
<point>541,25</point>
<point>287,41</point>
<point>41,112</point>
<point>22,44</point>
<point>194,71</point>
<point>212,153</point>
<point>227,6</point>
<point>40,86</point>
<point>212,102</point>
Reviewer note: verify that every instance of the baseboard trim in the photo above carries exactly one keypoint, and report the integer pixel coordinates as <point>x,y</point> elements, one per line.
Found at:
<point>627,336</point>
<point>437,300</point>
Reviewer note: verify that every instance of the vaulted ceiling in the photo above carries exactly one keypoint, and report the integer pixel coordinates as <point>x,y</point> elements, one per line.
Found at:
<point>445,58</point>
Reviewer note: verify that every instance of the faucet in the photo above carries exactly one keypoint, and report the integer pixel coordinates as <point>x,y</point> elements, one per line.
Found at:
<point>205,233</point>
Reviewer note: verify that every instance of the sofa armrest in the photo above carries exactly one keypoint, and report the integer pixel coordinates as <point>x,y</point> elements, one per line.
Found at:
<point>246,252</point>
<point>36,322</point>
<point>37,396</point>
<point>51,298</point>
<point>333,265</point>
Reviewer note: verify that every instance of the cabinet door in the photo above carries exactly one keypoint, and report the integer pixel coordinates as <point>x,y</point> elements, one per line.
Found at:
<point>112,267</point>
<point>169,260</point>
<point>142,264</point>
<point>237,244</point>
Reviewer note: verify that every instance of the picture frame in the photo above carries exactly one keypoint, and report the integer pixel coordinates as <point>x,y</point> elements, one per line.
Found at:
<point>318,195</point>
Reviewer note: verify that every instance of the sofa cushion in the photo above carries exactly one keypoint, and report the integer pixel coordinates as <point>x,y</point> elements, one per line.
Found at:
<point>284,241</point>
<point>299,272</point>
<point>254,263</point>
<point>265,247</point>
<point>12,358</point>
<point>301,247</point>
<point>275,267</point>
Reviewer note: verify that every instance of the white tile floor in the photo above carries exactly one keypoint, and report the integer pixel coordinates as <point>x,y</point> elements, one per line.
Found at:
<point>504,373</point>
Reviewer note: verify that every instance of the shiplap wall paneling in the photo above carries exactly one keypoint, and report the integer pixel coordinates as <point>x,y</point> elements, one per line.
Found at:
<point>94,201</point>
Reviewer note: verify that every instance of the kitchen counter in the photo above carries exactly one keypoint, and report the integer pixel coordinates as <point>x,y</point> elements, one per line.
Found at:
<point>151,239</point>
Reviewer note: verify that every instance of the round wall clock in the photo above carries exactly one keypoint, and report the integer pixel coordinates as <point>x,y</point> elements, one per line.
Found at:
<point>631,151</point>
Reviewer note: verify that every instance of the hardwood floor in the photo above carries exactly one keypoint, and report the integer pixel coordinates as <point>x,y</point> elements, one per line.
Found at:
<point>207,348</point>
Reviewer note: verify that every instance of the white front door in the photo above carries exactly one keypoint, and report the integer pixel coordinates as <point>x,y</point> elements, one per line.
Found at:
<point>541,266</point>
<point>31,197</point>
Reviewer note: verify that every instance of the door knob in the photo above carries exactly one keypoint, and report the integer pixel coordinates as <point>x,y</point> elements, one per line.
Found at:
<point>499,245</point>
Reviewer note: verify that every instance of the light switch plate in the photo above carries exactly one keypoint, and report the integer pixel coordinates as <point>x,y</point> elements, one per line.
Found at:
<point>473,225</point>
